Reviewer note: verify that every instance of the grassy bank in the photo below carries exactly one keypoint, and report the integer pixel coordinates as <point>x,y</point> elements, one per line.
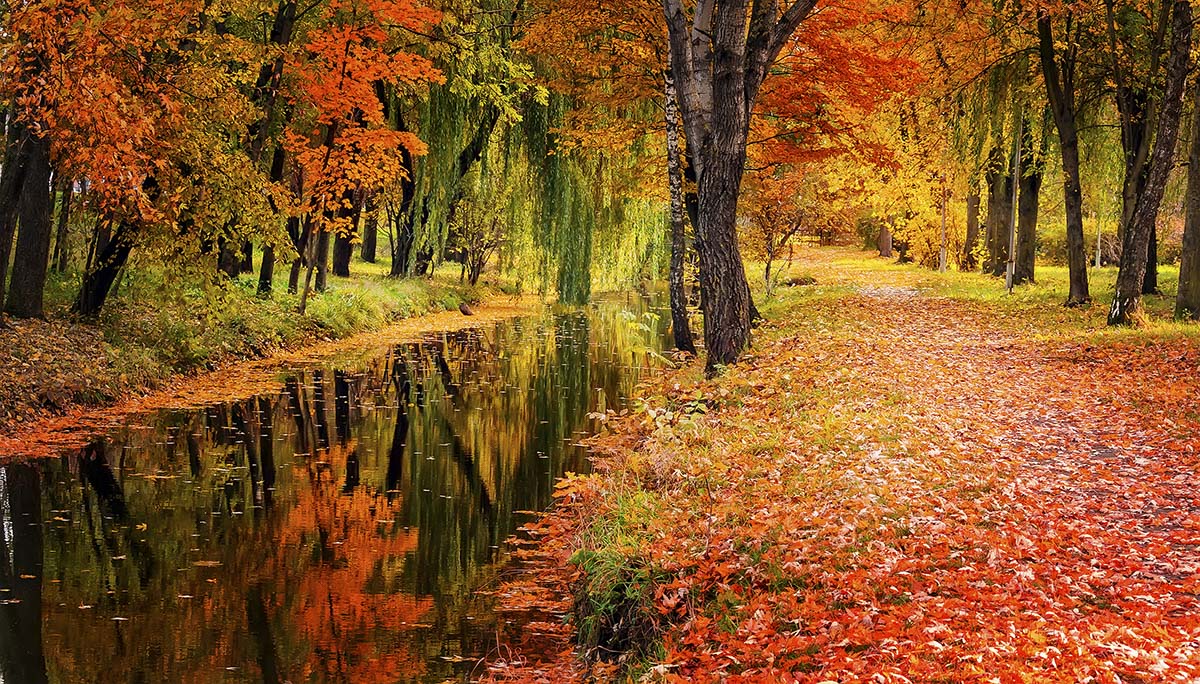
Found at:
<point>1031,305</point>
<point>914,477</point>
<point>158,325</point>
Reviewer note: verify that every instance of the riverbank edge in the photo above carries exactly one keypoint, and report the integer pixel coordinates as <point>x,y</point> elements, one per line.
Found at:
<point>72,425</point>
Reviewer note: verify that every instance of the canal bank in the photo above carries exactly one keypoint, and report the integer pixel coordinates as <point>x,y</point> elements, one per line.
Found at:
<point>157,332</point>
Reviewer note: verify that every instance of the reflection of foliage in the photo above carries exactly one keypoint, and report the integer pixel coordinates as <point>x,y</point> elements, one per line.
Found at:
<point>341,603</point>
<point>334,531</point>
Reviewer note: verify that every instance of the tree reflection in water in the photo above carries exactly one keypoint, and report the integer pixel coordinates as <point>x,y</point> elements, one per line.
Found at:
<point>334,531</point>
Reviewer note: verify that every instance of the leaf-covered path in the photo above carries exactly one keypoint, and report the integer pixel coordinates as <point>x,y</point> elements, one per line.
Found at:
<point>901,487</point>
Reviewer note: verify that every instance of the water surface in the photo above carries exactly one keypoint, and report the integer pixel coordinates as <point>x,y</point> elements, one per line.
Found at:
<point>338,530</point>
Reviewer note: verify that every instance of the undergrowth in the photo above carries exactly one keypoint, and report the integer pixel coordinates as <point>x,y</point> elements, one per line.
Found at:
<point>159,323</point>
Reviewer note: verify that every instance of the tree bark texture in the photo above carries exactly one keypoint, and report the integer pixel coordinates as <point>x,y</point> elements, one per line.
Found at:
<point>343,249</point>
<point>1187,300</point>
<point>322,260</point>
<point>679,315</point>
<point>1032,170</point>
<point>999,212</point>
<point>266,271</point>
<point>370,236</point>
<point>12,177</point>
<point>32,255</point>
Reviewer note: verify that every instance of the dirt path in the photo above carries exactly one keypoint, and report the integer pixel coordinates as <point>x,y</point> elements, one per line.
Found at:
<point>236,381</point>
<point>903,488</point>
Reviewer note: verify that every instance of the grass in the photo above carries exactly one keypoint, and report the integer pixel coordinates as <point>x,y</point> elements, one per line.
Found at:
<point>159,323</point>
<point>1036,305</point>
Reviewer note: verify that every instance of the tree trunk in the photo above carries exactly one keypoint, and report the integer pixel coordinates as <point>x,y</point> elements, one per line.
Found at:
<point>309,260</point>
<point>999,215</point>
<point>679,315</point>
<point>246,264</point>
<point>61,250</point>
<point>342,251</point>
<point>98,282</point>
<point>266,271</point>
<point>969,262</point>
<point>31,259</point>
<point>1187,300</point>
<point>726,292</point>
<point>719,60</point>
<point>402,248</point>
<point>229,261</point>
<point>1059,75</point>
<point>12,177</point>
<point>1127,302</point>
<point>101,234</point>
<point>1150,281</point>
<point>370,237</point>
<point>1027,210</point>
<point>885,241</point>
<point>294,275</point>
<point>322,260</point>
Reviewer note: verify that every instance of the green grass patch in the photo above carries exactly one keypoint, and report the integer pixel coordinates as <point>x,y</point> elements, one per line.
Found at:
<point>158,322</point>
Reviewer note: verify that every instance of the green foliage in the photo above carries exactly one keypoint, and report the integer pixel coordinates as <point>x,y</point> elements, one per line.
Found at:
<point>161,323</point>
<point>614,605</point>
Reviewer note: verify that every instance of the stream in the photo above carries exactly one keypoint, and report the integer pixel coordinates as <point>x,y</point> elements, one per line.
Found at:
<point>346,528</point>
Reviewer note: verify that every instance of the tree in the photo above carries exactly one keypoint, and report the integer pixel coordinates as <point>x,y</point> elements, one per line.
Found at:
<point>477,230</point>
<point>1187,300</point>
<point>1137,45</point>
<point>1127,301</point>
<point>773,216</point>
<point>720,58</point>
<point>1029,189</point>
<point>1059,72</point>
<point>680,326</point>
<point>345,147</point>
<point>30,260</point>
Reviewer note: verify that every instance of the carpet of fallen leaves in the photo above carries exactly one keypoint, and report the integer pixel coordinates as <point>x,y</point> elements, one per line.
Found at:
<point>48,366</point>
<point>43,360</point>
<point>896,488</point>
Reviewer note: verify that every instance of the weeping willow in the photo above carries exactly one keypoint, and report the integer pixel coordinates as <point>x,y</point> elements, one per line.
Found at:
<point>593,228</point>
<point>449,122</point>
<point>576,218</point>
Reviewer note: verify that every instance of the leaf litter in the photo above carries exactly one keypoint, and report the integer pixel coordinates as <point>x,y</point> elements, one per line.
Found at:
<point>890,490</point>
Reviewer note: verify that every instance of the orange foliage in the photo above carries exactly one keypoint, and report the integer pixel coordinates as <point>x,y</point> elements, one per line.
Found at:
<point>840,66</point>
<point>608,56</point>
<point>349,148</point>
<point>102,80</point>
